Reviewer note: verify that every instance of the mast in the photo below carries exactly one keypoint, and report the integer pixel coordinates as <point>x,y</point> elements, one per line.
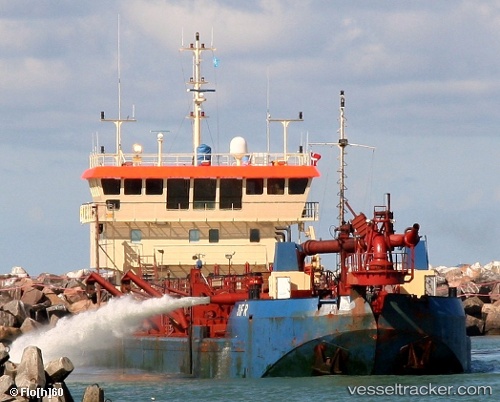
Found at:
<point>118,122</point>
<point>342,144</point>
<point>197,81</point>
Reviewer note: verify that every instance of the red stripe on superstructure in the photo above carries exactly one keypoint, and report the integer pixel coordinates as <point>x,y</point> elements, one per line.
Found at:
<point>166,172</point>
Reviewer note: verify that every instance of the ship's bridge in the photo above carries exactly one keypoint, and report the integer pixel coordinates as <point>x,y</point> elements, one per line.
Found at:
<point>149,188</point>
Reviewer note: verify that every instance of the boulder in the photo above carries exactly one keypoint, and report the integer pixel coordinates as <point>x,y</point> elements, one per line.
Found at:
<point>6,384</point>
<point>492,323</point>
<point>473,306</point>
<point>495,293</point>
<point>59,369</point>
<point>453,276</point>
<point>32,296</point>
<point>17,309</point>
<point>81,305</point>
<point>4,354</point>
<point>20,272</point>
<point>53,320</point>
<point>30,372</point>
<point>29,324</point>
<point>10,369</point>
<point>8,334</point>
<point>72,295</point>
<point>474,326</point>
<point>488,308</point>
<point>93,393</point>
<point>53,297</point>
<point>5,297</point>
<point>7,319</point>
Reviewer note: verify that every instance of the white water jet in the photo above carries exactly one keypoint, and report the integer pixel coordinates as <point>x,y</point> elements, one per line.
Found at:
<point>94,330</point>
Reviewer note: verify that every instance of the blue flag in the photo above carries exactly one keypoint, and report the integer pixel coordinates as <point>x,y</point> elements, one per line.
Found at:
<point>216,62</point>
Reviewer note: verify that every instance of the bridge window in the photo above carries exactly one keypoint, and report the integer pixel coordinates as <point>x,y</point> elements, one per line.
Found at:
<point>276,186</point>
<point>135,236</point>
<point>132,186</point>
<point>297,186</point>
<point>230,193</point>
<point>154,186</point>
<point>204,193</point>
<point>254,235</point>
<point>213,235</point>
<point>178,194</point>
<point>194,235</point>
<point>255,186</point>
<point>111,186</point>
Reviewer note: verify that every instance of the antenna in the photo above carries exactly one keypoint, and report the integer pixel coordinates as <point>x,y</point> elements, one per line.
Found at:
<point>118,122</point>
<point>268,116</point>
<point>342,144</point>
<point>285,123</point>
<point>197,81</point>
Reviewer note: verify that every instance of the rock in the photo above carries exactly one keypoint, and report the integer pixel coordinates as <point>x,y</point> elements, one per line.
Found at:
<point>17,309</point>
<point>29,324</point>
<point>495,293</point>
<point>72,295</point>
<point>5,297</point>
<point>6,384</point>
<point>473,306</point>
<point>487,308</point>
<point>58,310</point>
<point>453,275</point>
<point>492,323</point>
<point>20,272</point>
<point>10,369</point>
<point>30,372</point>
<point>473,272</point>
<point>53,297</point>
<point>81,305</point>
<point>74,283</point>
<point>4,354</point>
<point>59,369</point>
<point>474,326</point>
<point>93,393</point>
<point>32,296</point>
<point>78,274</point>
<point>8,333</point>
<point>7,319</point>
<point>53,320</point>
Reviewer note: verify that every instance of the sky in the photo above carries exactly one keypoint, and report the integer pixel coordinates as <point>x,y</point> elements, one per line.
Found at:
<point>422,85</point>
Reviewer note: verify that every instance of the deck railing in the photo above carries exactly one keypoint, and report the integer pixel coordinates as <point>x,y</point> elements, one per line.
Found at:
<point>188,159</point>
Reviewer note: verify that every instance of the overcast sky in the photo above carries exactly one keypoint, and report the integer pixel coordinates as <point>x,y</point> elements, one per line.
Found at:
<point>422,84</point>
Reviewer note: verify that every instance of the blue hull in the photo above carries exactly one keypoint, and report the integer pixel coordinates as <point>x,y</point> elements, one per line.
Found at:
<point>267,338</point>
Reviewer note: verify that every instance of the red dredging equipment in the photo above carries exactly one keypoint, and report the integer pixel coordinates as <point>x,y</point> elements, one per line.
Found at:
<point>366,249</point>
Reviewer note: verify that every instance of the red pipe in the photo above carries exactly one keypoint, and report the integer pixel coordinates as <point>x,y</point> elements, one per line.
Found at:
<point>312,247</point>
<point>142,284</point>
<point>176,315</point>
<point>379,248</point>
<point>409,239</point>
<point>228,298</point>
<point>94,277</point>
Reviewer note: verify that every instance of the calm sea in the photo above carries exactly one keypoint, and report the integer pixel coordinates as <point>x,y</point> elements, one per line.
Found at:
<point>483,383</point>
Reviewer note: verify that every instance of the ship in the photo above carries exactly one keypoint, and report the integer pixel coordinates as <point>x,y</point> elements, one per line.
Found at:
<point>221,225</point>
